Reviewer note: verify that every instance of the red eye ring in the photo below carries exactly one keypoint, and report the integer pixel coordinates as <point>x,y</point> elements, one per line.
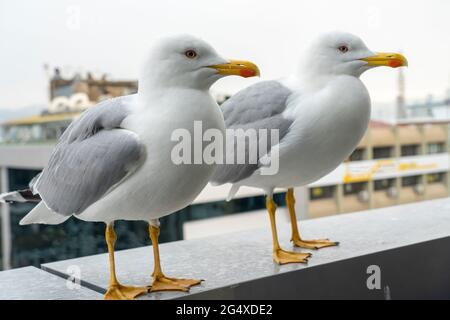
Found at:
<point>191,54</point>
<point>343,49</point>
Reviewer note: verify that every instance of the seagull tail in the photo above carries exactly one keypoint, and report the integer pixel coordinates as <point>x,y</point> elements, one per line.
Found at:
<point>19,196</point>
<point>40,213</point>
<point>43,215</point>
<point>233,190</point>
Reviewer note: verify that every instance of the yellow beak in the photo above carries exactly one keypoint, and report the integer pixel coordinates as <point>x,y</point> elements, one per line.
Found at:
<point>241,68</point>
<point>393,60</point>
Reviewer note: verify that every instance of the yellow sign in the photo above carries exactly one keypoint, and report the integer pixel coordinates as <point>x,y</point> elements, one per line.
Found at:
<point>385,166</point>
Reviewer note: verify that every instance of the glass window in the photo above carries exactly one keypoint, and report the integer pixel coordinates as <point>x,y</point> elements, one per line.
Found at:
<point>51,134</point>
<point>435,177</point>
<point>435,147</point>
<point>24,133</point>
<point>357,155</point>
<point>36,132</point>
<point>410,181</point>
<point>383,184</point>
<point>321,193</point>
<point>410,150</point>
<point>382,152</point>
<point>354,188</point>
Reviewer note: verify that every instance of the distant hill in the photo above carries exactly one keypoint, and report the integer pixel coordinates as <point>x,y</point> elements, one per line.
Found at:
<point>7,114</point>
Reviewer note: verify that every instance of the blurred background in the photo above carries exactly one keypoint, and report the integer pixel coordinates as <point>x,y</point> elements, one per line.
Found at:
<point>59,58</point>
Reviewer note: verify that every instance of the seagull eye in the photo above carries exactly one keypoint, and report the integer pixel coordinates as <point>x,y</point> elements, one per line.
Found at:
<point>343,49</point>
<point>191,54</point>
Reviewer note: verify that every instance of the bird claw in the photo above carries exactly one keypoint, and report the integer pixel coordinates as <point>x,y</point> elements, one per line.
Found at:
<point>314,244</point>
<point>281,256</point>
<point>173,284</point>
<point>121,292</point>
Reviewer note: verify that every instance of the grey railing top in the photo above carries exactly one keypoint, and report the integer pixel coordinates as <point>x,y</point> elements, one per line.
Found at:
<point>33,283</point>
<point>409,244</point>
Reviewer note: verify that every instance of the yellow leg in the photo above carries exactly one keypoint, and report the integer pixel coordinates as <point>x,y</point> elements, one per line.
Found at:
<point>160,281</point>
<point>296,239</point>
<point>281,256</point>
<point>116,291</point>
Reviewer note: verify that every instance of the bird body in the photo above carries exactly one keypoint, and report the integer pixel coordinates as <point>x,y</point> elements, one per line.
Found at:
<point>320,113</point>
<point>115,162</point>
<point>308,152</point>
<point>160,187</point>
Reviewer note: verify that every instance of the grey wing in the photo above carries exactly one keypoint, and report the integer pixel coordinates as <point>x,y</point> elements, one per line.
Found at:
<point>106,115</point>
<point>92,157</point>
<point>259,106</point>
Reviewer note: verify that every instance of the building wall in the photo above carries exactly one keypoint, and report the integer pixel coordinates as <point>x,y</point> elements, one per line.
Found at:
<point>388,142</point>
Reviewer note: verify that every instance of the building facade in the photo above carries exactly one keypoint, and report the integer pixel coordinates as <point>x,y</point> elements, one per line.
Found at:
<point>393,164</point>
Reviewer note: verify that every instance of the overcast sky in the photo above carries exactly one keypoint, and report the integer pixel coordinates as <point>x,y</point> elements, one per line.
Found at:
<point>113,36</point>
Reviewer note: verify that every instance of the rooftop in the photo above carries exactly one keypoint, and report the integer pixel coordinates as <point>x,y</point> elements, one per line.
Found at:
<point>66,116</point>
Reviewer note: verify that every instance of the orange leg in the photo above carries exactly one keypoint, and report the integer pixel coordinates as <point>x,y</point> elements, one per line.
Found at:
<point>296,239</point>
<point>117,291</point>
<point>281,256</point>
<point>160,281</point>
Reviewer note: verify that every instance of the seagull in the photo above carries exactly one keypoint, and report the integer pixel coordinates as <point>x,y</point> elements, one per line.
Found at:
<point>320,113</point>
<point>114,161</point>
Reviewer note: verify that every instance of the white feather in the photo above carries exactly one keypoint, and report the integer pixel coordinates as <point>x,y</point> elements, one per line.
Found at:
<point>329,109</point>
<point>233,190</point>
<point>11,197</point>
<point>42,215</point>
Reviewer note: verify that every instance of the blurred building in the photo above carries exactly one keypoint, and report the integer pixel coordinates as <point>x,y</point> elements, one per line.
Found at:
<point>27,140</point>
<point>394,163</point>
<point>68,98</point>
<point>430,108</point>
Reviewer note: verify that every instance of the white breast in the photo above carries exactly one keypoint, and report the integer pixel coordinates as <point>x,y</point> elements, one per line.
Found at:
<point>160,187</point>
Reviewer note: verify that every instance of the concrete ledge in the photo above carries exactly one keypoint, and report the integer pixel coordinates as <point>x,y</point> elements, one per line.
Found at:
<point>410,244</point>
<point>31,283</point>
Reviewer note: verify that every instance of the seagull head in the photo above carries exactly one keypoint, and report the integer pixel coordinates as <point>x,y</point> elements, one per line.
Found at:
<point>341,53</point>
<point>187,61</point>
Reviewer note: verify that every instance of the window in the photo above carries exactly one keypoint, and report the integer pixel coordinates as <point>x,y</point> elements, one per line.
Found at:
<point>382,152</point>
<point>354,188</point>
<point>410,150</point>
<point>384,184</point>
<point>435,147</point>
<point>410,181</point>
<point>435,177</point>
<point>357,155</point>
<point>51,134</point>
<point>321,193</point>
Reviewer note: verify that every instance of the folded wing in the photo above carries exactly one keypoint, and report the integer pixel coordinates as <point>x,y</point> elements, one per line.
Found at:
<point>93,156</point>
<point>257,107</point>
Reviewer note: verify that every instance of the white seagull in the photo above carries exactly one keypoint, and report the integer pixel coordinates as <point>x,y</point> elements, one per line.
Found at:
<point>114,161</point>
<point>321,113</point>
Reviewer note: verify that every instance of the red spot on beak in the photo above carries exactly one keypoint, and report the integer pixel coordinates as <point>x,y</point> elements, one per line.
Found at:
<point>395,63</point>
<point>246,73</point>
